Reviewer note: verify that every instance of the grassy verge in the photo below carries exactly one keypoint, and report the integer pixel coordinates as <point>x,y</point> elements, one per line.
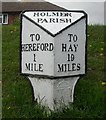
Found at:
<point>0,71</point>
<point>17,92</point>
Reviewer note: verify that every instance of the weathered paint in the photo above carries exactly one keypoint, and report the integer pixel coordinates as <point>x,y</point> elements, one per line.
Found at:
<point>53,46</point>
<point>54,93</point>
<point>53,49</point>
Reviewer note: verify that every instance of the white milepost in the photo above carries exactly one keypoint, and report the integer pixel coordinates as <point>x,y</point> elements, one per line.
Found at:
<point>53,53</point>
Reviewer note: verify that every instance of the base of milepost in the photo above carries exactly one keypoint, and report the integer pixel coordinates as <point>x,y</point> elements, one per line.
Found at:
<point>54,93</point>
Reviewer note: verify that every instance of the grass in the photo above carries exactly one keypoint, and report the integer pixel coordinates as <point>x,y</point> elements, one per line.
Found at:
<point>0,71</point>
<point>17,91</point>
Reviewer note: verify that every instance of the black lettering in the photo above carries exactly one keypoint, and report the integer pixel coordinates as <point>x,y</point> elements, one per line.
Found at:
<point>34,47</point>
<point>36,14</point>
<point>73,66</point>
<point>27,66</point>
<point>72,37</point>
<point>42,14</point>
<point>44,21</point>
<point>65,67</point>
<point>78,66</point>
<point>31,66</point>
<point>38,46</point>
<point>30,47</point>
<point>37,37</point>
<point>75,38</point>
<point>60,67</point>
<point>40,67</point>
<point>25,47</point>
<point>75,46</point>
<point>69,68</point>
<point>68,21</point>
<point>34,58</point>
<point>70,48</point>
<point>64,47</point>
<point>39,20</point>
<point>62,20</point>
<point>55,14</point>
<point>51,47</point>
<point>46,46</point>
<point>48,14</point>
<point>34,67</point>
<point>42,47</point>
<point>32,37</point>
<point>52,20</point>
<point>70,57</point>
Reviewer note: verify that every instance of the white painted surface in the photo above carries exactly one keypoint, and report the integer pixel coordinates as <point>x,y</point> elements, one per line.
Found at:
<point>42,57</point>
<point>51,26</point>
<point>53,61</point>
<point>54,93</point>
<point>61,57</point>
<point>50,62</point>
